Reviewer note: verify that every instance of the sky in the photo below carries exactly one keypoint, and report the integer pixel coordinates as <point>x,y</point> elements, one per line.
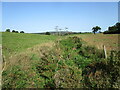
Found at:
<point>60,0</point>
<point>35,17</point>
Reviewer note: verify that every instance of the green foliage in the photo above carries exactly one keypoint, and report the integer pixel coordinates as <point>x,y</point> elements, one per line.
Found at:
<point>71,43</point>
<point>16,78</point>
<point>91,52</point>
<point>95,29</point>
<point>22,32</point>
<point>69,64</point>
<point>103,74</point>
<point>7,30</point>
<point>47,33</point>
<point>13,30</point>
<point>97,72</point>
<point>113,29</point>
<point>16,32</point>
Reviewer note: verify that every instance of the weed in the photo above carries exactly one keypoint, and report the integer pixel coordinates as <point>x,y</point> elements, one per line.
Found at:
<point>69,64</point>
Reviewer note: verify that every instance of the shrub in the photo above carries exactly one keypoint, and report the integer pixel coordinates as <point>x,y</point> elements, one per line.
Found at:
<point>21,31</point>
<point>91,52</point>
<point>16,32</point>
<point>47,33</point>
<point>13,30</point>
<point>17,78</point>
<point>103,74</point>
<point>7,30</point>
<point>68,64</point>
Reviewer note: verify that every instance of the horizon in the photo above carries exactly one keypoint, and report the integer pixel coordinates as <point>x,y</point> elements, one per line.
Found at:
<point>37,17</point>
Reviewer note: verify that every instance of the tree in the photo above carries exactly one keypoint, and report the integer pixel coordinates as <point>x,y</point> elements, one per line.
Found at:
<point>7,30</point>
<point>47,33</point>
<point>115,29</point>
<point>13,30</point>
<point>21,31</point>
<point>95,29</point>
<point>16,32</point>
<point>118,26</point>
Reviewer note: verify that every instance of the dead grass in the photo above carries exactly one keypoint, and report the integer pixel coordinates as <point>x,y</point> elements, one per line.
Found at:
<point>23,58</point>
<point>98,40</point>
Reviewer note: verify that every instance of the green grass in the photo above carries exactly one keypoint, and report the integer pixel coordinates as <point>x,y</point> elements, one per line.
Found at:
<point>67,64</point>
<point>16,42</point>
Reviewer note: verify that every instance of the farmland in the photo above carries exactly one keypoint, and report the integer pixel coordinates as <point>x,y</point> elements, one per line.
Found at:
<point>47,61</point>
<point>109,40</point>
<point>14,43</point>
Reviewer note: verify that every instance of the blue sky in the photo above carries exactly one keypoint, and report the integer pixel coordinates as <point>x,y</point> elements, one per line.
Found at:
<point>33,17</point>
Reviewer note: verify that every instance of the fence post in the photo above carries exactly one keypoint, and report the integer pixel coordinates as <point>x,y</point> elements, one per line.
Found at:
<point>105,52</point>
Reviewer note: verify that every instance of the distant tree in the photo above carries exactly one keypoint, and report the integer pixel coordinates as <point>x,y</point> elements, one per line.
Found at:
<point>21,31</point>
<point>7,30</point>
<point>47,33</point>
<point>118,26</point>
<point>16,32</point>
<point>13,30</point>
<point>113,29</point>
<point>95,29</point>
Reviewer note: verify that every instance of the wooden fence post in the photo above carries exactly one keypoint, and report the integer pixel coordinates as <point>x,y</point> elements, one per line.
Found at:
<point>105,52</point>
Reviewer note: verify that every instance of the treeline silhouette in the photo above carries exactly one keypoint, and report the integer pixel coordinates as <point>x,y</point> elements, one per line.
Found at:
<point>14,31</point>
<point>113,29</point>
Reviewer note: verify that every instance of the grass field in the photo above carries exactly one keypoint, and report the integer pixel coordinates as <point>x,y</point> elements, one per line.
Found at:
<point>13,43</point>
<point>47,61</point>
<point>98,40</point>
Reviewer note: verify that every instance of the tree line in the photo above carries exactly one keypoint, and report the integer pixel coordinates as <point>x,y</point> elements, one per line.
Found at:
<point>115,29</point>
<point>14,31</point>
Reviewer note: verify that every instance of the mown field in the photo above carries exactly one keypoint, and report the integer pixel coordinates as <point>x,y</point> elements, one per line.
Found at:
<point>59,61</point>
<point>13,43</point>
